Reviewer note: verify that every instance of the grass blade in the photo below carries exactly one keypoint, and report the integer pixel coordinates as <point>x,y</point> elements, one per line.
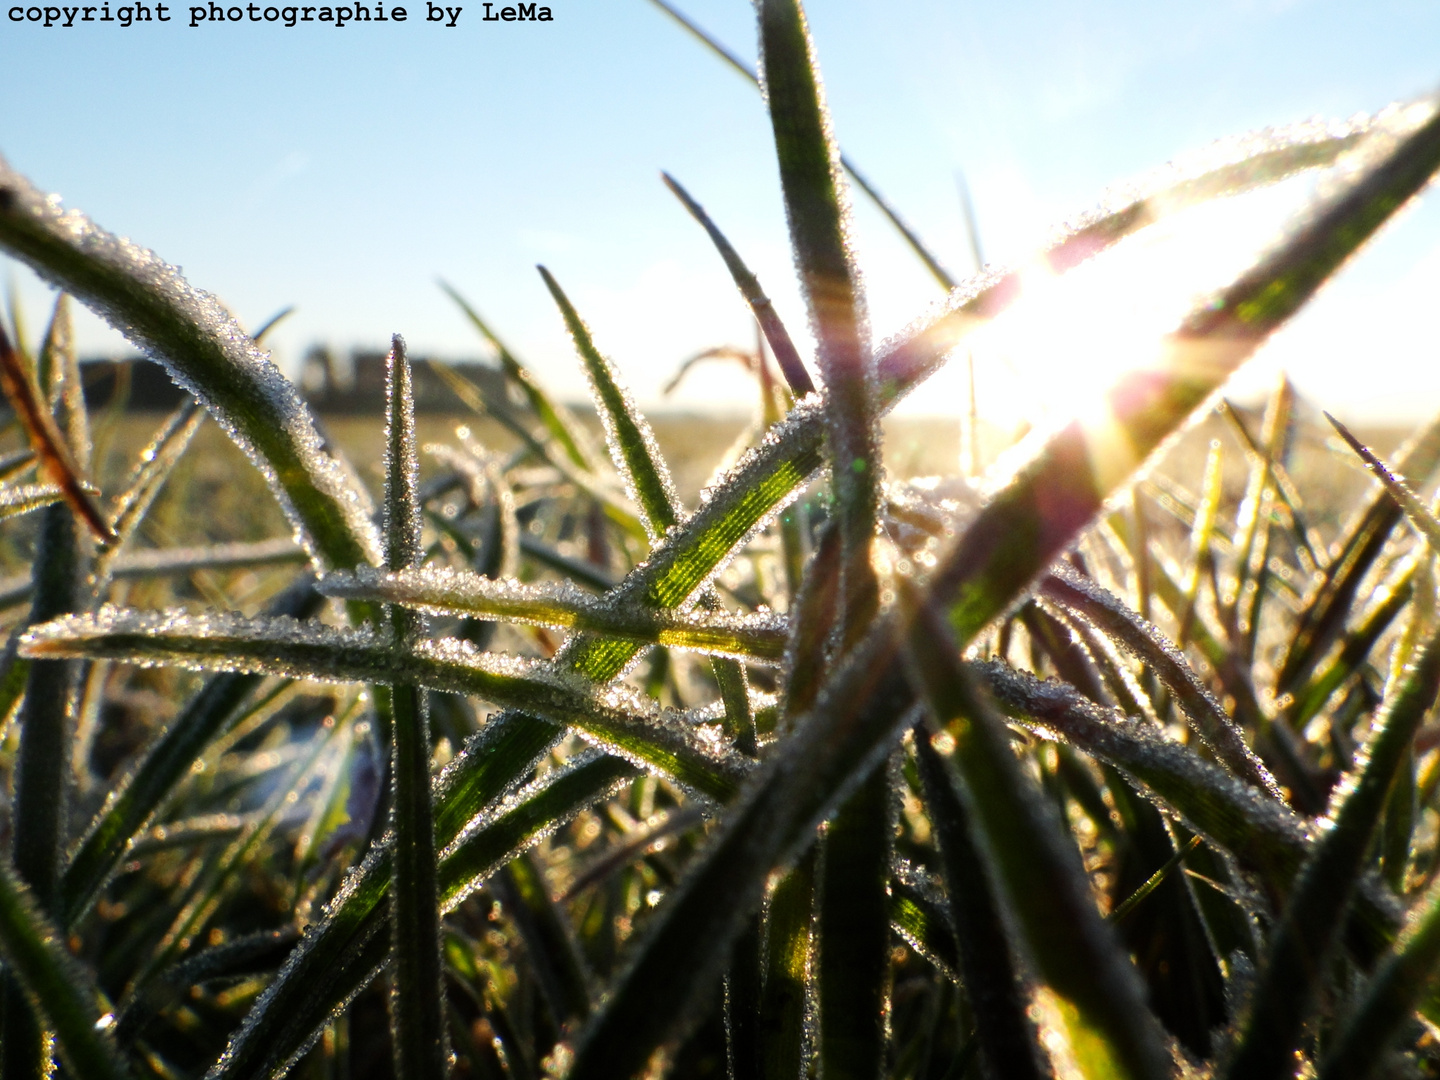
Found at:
<point>756,638</point>
<point>35,955</point>
<point>1295,959</point>
<point>788,962</point>
<point>1420,515</point>
<point>1108,613</point>
<point>1024,527</point>
<point>911,238</point>
<point>1388,1000</point>
<point>628,724</point>
<point>27,498</point>
<point>786,355</point>
<point>815,206</point>
<point>561,426</point>
<point>1034,864</point>
<point>51,450</point>
<point>853,932</point>
<point>992,985</point>
<point>416,1016</point>
<point>206,351</point>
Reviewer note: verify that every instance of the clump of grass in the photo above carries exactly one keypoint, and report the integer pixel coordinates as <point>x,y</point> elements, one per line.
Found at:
<point>830,774</point>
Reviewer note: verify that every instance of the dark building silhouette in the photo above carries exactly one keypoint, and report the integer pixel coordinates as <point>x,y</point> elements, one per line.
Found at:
<point>352,384</point>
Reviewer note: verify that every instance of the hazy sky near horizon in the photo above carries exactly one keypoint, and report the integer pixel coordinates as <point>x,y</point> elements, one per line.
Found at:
<point>344,170</point>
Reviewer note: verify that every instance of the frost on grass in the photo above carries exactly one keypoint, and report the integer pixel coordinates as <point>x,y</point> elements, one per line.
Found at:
<point>204,349</point>
<point>23,498</point>
<point>446,591</point>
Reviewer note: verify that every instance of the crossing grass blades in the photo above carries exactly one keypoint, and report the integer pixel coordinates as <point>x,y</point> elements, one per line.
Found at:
<point>1078,775</point>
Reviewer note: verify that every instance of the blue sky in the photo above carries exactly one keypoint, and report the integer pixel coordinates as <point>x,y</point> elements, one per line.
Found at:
<point>342,170</point>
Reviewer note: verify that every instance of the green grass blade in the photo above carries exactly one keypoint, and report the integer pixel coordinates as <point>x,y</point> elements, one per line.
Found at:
<point>992,985</point>
<point>561,426</point>
<point>42,765</point>
<point>1295,960</point>
<point>203,348</point>
<point>168,760</point>
<point>853,933</point>
<point>1034,864</point>
<point>1420,515</point>
<point>35,955</point>
<point>416,1015</point>
<point>549,939</point>
<point>153,468</point>
<point>461,593</point>
<point>815,206</point>
<point>1388,1000</point>
<point>632,443</point>
<point>788,963</point>
<point>1110,614</point>
<point>786,355</point>
<point>626,723</point>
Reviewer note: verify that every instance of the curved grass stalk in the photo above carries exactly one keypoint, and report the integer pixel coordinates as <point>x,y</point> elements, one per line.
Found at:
<point>206,351</point>
<point>630,726</point>
<point>755,638</point>
<point>1069,589</point>
<point>1420,515</point>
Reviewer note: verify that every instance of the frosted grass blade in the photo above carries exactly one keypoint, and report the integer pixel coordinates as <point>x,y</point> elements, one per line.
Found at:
<point>1292,969</point>
<point>164,764</point>
<point>561,426</point>
<point>786,355</point>
<point>1325,613</point>
<point>417,1019</point>
<point>788,964</point>
<point>816,209</point>
<point>1033,515</point>
<point>755,638</point>
<point>1034,865</point>
<point>24,499</point>
<point>36,956</point>
<point>853,933</point>
<point>206,351</point>
<point>619,720</point>
<point>1420,515</point>
<point>1388,1000</point>
<point>1109,613</point>
<point>992,984</point>
<point>1267,838</point>
<point>632,443</point>
<point>155,464</point>
<point>42,766</point>
<point>55,458</point>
